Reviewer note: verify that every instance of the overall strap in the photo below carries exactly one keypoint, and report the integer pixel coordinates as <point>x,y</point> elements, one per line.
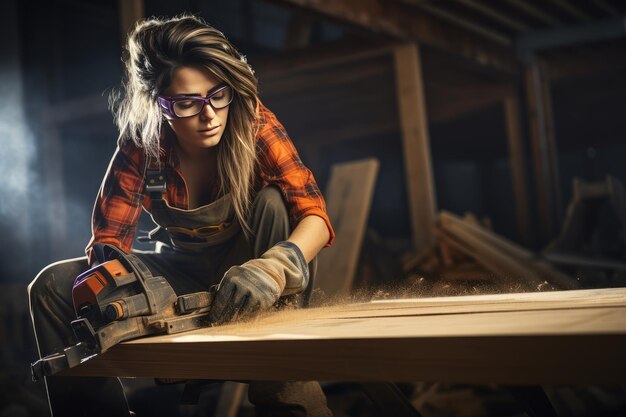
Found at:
<point>156,184</point>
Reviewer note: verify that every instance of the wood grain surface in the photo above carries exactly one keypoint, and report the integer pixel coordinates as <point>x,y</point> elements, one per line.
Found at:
<point>576,336</point>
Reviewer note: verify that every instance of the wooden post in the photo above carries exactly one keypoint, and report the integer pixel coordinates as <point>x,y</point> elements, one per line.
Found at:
<point>130,12</point>
<point>543,148</point>
<point>416,143</point>
<point>518,167</point>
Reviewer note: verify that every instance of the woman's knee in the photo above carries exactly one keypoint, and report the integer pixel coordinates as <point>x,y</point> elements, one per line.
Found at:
<point>56,278</point>
<point>269,202</point>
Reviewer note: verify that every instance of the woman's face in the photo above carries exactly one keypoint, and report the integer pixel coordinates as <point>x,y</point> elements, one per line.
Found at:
<point>204,130</point>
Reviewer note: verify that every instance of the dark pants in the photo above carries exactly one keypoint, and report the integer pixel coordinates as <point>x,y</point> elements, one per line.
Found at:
<point>52,310</point>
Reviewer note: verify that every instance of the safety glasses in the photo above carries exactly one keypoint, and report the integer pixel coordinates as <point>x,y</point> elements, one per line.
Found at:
<point>183,233</point>
<point>182,106</point>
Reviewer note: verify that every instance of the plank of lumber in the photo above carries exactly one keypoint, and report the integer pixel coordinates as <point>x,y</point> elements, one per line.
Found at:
<point>518,166</point>
<point>416,145</point>
<point>541,131</point>
<point>348,197</point>
<point>524,264</point>
<point>535,338</point>
<point>508,269</point>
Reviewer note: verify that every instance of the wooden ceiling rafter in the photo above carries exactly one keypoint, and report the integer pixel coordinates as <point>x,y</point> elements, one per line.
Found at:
<point>481,30</point>
<point>463,22</point>
<point>494,14</point>
<point>401,20</point>
<point>533,11</point>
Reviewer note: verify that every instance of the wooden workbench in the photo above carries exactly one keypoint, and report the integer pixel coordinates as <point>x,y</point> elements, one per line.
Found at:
<point>576,336</point>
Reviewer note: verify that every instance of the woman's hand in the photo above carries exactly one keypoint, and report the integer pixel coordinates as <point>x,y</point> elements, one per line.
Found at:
<point>257,284</point>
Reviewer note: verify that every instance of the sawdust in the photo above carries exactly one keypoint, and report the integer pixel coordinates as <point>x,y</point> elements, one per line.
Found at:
<point>414,287</point>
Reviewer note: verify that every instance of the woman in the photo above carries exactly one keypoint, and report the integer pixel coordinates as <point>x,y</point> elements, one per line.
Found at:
<point>217,172</point>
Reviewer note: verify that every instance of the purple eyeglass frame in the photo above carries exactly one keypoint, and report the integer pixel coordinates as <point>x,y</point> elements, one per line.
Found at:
<point>166,103</point>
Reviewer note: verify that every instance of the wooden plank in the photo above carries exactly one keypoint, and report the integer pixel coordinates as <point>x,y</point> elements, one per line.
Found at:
<point>348,198</point>
<point>416,144</point>
<point>518,166</point>
<point>541,135</point>
<point>474,304</point>
<point>507,268</point>
<point>503,255</point>
<point>552,152</point>
<point>559,337</point>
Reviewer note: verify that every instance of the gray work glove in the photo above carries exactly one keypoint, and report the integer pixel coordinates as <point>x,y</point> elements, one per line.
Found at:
<point>257,284</point>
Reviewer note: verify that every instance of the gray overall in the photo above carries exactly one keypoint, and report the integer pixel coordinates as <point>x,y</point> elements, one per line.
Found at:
<point>195,249</point>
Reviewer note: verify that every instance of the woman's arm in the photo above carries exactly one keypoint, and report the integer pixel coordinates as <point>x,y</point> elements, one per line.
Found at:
<point>310,235</point>
<point>118,204</point>
<point>257,284</point>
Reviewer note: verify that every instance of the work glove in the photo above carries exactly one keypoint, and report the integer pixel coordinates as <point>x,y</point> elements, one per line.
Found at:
<point>257,284</point>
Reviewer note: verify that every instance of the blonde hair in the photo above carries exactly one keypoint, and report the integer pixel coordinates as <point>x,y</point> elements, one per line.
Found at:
<point>156,47</point>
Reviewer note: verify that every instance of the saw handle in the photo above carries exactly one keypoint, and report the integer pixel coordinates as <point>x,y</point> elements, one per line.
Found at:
<point>133,306</point>
<point>189,303</point>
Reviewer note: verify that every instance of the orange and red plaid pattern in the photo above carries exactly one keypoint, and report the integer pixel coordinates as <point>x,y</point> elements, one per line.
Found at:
<point>122,193</point>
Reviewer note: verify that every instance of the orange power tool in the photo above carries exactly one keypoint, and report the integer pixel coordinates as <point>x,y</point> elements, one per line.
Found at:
<point>119,300</point>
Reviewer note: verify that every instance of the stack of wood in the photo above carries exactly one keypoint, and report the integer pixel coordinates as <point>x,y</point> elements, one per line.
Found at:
<point>469,257</point>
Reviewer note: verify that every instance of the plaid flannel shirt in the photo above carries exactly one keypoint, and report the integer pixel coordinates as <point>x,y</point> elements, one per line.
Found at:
<point>122,193</point>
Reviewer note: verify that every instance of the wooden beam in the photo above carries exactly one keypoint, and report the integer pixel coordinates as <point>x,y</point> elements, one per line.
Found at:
<point>611,28</point>
<point>404,22</point>
<point>561,337</point>
<point>590,61</point>
<point>448,102</point>
<point>518,166</point>
<point>509,260</point>
<point>314,57</point>
<point>349,197</point>
<point>493,14</point>
<point>416,144</point>
<point>543,149</point>
<point>533,11</point>
<point>130,12</point>
<point>463,22</point>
